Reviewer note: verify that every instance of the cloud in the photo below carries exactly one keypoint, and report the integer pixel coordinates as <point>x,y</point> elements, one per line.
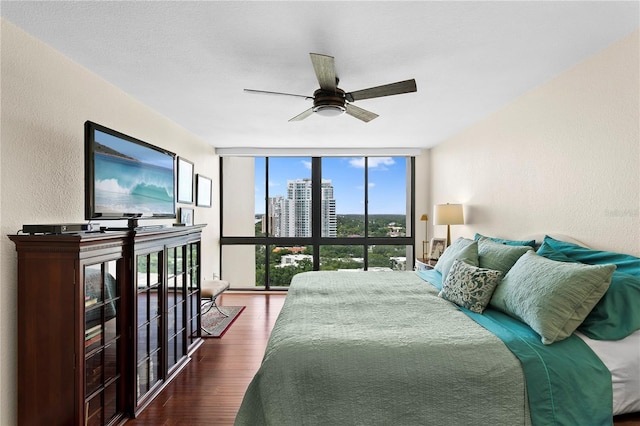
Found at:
<point>360,187</point>
<point>374,162</point>
<point>358,163</point>
<point>381,162</point>
<point>306,164</point>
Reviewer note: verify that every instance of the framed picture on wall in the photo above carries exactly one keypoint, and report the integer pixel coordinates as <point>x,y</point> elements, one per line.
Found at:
<point>186,216</point>
<point>437,247</point>
<point>185,181</point>
<point>203,191</point>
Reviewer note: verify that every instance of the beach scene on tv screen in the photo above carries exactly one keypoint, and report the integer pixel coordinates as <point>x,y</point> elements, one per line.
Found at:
<point>131,178</point>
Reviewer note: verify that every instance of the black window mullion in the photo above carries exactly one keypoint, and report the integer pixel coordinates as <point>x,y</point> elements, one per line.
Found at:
<point>413,212</point>
<point>366,214</point>
<point>221,215</point>
<point>267,233</point>
<point>316,209</point>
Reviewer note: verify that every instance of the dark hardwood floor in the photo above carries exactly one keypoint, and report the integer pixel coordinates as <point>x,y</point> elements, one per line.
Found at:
<point>210,389</point>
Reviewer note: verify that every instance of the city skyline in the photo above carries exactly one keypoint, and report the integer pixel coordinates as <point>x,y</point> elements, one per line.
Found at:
<point>387,181</point>
<point>290,216</point>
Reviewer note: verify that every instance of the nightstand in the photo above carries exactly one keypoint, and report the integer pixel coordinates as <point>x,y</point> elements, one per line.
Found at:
<point>424,264</point>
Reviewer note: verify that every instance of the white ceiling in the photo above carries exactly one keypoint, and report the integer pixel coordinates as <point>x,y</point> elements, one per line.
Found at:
<point>190,61</point>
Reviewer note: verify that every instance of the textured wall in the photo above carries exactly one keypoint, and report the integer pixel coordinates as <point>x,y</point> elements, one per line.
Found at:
<point>238,199</point>
<point>563,158</point>
<point>46,98</point>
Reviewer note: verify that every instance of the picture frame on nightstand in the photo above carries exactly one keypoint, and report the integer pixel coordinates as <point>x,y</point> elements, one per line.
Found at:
<point>437,248</point>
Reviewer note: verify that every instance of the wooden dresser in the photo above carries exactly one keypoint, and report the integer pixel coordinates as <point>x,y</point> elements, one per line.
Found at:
<point>105,321</point>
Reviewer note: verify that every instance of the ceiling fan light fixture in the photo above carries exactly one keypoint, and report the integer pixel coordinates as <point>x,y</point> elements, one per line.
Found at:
<point>330,101</point>
<point>329,110</point>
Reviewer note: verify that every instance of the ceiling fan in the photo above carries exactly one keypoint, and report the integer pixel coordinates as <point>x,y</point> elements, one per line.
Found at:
<point>329,100</point>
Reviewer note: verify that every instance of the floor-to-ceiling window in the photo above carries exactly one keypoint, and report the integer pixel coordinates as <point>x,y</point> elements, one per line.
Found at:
<point>284,215</point>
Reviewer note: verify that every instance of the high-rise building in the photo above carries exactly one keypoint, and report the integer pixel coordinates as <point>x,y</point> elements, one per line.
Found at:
<point>291,216</point>
<point>328,216</point>
<point>299,194</point>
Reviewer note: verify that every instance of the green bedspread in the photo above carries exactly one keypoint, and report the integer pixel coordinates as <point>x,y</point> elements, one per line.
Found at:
<point>381,348</point>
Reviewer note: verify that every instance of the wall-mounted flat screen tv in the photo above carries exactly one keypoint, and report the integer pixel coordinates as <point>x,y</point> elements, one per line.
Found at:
<point>127,178</point>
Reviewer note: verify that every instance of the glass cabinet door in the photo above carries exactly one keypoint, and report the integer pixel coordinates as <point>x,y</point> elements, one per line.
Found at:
<point>193,292</point>
<point>102,343</point>
<point>149,321</point>
<point>176,324</point>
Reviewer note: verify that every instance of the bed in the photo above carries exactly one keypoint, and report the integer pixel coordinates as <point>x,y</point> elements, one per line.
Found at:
<point>379,348</point>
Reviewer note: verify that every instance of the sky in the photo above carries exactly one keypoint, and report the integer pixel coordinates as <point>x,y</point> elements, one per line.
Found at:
<point>387,181</point>
<point>145,154</point>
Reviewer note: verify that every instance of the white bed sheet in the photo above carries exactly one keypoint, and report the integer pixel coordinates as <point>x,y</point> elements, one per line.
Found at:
<point>622,358</point>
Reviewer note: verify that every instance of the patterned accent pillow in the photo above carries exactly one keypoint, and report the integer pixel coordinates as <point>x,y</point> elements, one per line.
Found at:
<point>469,286</point>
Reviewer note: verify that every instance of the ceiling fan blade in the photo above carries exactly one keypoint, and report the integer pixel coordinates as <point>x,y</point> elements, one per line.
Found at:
<point>302,115</point>
<point>265,92</point>
<point>359,113</point>
<point>406,86</point>
<point>325,69</point>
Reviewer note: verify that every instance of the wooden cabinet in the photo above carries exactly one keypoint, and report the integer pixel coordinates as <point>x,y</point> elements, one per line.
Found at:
<point>105,320</point>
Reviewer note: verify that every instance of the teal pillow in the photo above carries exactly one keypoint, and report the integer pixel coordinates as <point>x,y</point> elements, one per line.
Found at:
<point>624,262</point>
<point>530,243</point>
<point>545,250</point>
<point>617,314</point>
<point>469,286</point>
<point>552,297</point>
<point>499,257</point>
<point>462,249</point>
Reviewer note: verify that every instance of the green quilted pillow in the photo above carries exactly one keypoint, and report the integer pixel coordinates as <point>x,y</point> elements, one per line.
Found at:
<point>552,297</point>
<point>469,286</point>
<point>499,257</point>
<point>530,243</point>
<point>617,314</point>
<point>462,249</point>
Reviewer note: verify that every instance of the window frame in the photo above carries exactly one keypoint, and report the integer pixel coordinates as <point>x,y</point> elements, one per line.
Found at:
<point>316,240</point>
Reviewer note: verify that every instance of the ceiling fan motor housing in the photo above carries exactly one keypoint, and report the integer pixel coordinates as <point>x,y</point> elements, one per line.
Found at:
<point>329,103</point>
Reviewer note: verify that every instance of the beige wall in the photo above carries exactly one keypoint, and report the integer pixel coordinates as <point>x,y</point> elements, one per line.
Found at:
<point>46,98</point>
<point>238,199</point>
<point>423,201</point>
<point>563,158</point>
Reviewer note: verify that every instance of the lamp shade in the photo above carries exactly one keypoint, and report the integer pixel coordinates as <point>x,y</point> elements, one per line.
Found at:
<point>448,214</point>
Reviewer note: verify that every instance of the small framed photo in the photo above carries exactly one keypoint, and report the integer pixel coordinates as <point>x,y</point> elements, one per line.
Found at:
<point>186,216</point>
<point>437,247</point>
<point>185,181</point>
<point>203,191</point>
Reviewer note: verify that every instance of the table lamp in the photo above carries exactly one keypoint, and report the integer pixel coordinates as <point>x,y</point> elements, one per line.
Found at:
<point>448,214</point>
